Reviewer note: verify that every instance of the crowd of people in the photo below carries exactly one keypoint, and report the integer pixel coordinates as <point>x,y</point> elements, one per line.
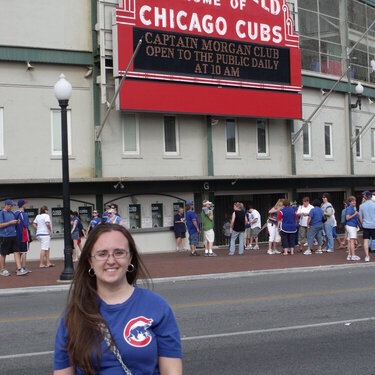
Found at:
<point>309,225</point>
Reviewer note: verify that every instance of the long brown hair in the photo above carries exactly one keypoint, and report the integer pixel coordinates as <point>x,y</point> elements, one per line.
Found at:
<point>82,314</point>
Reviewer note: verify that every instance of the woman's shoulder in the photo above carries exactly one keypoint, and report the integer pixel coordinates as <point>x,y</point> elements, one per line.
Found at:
<point>150,296</point>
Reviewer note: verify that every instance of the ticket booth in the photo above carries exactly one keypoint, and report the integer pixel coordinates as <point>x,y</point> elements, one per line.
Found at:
<point>134,216</point>
<point>157,215</point>
<point>32,213</point>
<point>85,214</point>
<point>177,206</point>
<point>57,220</point>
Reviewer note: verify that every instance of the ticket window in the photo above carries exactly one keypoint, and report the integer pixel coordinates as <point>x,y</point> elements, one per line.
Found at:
<point>85,214</point>
<point>176,207</point>
<point>157,215</point>
<point>134,216</point>
<point>32,213</point>
<point>57,220</point>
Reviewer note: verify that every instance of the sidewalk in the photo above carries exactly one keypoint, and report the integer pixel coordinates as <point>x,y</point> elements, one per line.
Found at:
<point>181,264</point>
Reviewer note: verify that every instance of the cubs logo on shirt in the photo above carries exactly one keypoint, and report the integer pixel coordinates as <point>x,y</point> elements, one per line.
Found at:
<point>136,332</point>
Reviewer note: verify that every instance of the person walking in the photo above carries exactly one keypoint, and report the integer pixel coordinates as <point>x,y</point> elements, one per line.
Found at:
<point>110,325</point>
<point>8,239</point>
<point>42,225</point>
<point>207,218</point>
<point>193,228</point>
<point>303,215</point>
<point>23,233</point>
<point>95,220</point>
<point>74,233</point>
<point>351,227</point>
<point>287,224</point>
<point>237,228</point>
<point>315,228</point>
<point>329,215</point>
<point>367,220</point>
<point>179,229</point>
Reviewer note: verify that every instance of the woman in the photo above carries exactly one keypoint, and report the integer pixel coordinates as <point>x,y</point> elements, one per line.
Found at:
<point>113,218</point>
<point>74,232</point>
<point>272,227</point>
<point>352,219</point>
<point>329,214</point>
<point>106,312</point>
<point>237,228</point>
<point>315,228</point>
<point>95,220</point>
<point>287,224</point>
<point>42,225</point>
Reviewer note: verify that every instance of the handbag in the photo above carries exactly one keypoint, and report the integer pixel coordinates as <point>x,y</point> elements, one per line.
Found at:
<point>112,346</point>
<point>277,237</point>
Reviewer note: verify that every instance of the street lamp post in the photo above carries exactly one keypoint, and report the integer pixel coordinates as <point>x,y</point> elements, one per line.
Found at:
<point>63,91</point>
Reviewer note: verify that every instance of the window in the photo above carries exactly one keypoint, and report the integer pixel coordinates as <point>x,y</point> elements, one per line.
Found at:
<point>307,140</point>
<point>56,132</point>
<point>1,131</point>
<point>372,143</point>
<point>328,140</point>
<point>358,143</point>
<point>130,134</point>
<point>171,140</point>
<point>262,137</point>
<point>231,136</point>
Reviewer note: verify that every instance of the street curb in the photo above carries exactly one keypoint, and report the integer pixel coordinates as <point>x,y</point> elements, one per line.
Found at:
<point>211,276</point>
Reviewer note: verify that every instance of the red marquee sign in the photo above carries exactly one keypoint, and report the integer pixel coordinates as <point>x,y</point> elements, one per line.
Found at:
<point>216,57</point>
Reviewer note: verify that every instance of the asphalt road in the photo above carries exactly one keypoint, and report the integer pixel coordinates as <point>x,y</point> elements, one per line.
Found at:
<point>320,322</point>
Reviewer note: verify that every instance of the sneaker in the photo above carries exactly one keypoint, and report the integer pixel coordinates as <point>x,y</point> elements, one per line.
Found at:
<point>206,254</point>
<point>277,252</point>
<point>305,244</point>
<point>270,252</point>
<point>367,259</point>
<point>24,269</point>
<point>355,257</point>
<point>349,257</point>
<point>4,273</point>
<point>330,251</point>
<point>318,252</point>
<point>230,254</point>
<point>256,247</point>
<point>307,252</point>
<point>21,272</point>
<point>212,254</point>
<point>249,247</point>
<point>195,254</point>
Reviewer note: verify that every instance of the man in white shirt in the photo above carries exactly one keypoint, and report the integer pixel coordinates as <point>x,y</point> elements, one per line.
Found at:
<point>255,226</point>
<point>303,215</point>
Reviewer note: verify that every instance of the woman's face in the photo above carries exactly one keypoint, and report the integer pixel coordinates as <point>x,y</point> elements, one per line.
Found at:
<point>110,258</point>
<point>353,203</point>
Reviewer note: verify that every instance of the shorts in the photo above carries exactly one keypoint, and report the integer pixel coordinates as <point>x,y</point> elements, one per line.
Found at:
<point>209,235</point>
<point>247,232</point>
<point>272,229</point>
<point>288,240</point>
<point>352,232</point>
<point>75,236</point>
<point>9,245</point>
<point>302,234</point>
<point>254,232</point>
<point>44,241</point>
<point>179,234</point>
<point>368,232</point>
<point>194,239</point>
<point>24,247</point>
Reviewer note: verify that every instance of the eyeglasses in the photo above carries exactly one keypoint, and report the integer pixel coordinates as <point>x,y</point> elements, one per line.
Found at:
<point>104,255</point>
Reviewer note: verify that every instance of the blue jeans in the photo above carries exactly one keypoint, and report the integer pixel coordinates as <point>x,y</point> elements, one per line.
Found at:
<point>315,231</point>
<point>328,230</point>
<point>240,235</point>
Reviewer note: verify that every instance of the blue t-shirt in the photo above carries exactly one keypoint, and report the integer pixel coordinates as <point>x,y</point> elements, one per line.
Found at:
<point>143,327</point>
<point>10,230</point>
<point>190,216</point>
<point>95,221</point>
<point>115,219</point>
<point>367,211</point>
<point>353,222</point>
<point>24,223</point>
<point>316,215</point>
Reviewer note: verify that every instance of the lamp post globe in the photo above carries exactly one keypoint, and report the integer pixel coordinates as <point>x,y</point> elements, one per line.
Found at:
<point>359,89</point>
<point>63,92</point>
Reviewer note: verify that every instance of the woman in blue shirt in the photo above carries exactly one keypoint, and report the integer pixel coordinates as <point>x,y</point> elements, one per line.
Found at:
<point>352,227</point>
<point>110,326</point>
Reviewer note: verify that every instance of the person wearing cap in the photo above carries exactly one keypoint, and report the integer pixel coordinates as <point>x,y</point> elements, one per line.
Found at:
<point>207,218</point>
<point>367,220</point>
<point>23,233</point>
<point>8,239</point>
<point>43,229</point>
<point>193,227</point>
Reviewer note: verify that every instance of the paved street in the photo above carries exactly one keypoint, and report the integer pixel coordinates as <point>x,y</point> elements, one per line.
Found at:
<point>311,322</point>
